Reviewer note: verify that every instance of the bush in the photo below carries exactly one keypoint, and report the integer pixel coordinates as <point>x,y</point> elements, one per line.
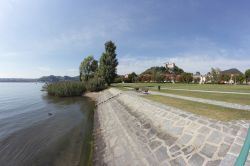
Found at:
<point>136,88</point>
<point>96,84</point>
<point>144,89</point>
<point>66,88</point>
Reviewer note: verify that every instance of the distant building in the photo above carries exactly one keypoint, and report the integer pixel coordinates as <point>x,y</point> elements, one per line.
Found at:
<point>170,65</point>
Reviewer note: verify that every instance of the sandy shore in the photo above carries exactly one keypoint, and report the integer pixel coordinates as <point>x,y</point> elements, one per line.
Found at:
<point>130,130</point>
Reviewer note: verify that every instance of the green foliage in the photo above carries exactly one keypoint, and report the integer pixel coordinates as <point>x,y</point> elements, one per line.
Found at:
<point>225,77</point>
<point>132,78</point>
<point>159,77</point>
<point>247,75</point>
<point>151,70</point>
<point>144,89</point>
<point>177,70</point>
<point>136,88</point>
<point>108,63</point>
<point>216,74</point>
<point>66,88</point>
<point>118,79</point>
<point>240,78</point>
<point>87,68</point>
<point>96,84</point>
<point>186,77</point>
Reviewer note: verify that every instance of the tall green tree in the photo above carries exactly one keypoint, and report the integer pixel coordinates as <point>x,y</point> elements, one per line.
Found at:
<point>108,63</point>
<point>88,68</point>
<point>247,75</point>
<point>240,78</point>
<point>216,75</point>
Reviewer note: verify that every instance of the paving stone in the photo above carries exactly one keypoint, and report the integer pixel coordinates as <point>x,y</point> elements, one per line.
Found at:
<point>187,150</point>
<point>151,133</point>
<point>112,141</point>
<point>176,154</point>
<point>118,151</point>
<point>183,115</point>
<point>184,139</point>
<point>215,137</point>
<point>204,130</point>
<point>193,126</point>
<point>192,118</point>
<point>203,122</point>
<point>151,160</point>
<point>179,161</point>
<point>147,126</point>
<point>215,126</point>
<point>161,154</point>
<point>235,149</point>
<point>154,144</point>
<point>223,150</point>
<point>228,160</point>
<point>169,140</point>
<point>209,150</point>
<point>174,149</point>
<point>180,123</point>
<point>213,163</point>
<point>199,140</point>
<point>196,160</point>
<point>176,131</point>
<point>229,139</point>
<point>239,141</point>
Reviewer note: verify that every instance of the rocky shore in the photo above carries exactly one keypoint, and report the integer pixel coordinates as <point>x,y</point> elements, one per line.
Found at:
<point>130,130</point>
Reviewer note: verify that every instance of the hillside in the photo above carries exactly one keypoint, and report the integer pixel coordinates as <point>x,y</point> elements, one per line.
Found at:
<point>231,71</point>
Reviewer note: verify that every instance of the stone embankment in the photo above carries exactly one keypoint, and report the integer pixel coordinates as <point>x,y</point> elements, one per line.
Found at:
<point>130,130</point>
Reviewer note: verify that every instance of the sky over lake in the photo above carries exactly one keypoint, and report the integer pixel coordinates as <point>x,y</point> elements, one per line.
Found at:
<point>43,37</point>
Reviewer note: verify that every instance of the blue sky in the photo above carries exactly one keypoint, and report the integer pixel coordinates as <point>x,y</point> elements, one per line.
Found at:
<point>43,37</point>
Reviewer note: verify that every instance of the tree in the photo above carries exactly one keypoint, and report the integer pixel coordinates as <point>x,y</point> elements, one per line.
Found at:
<point>215,72</point>
<point>132,77</point>
<point>108,63</point>
<point>247,75</point>
<point>240,78</point>
<point>186,77</point>
<point>87,68</point>
<point>159,77</point>
<point>225,77</point>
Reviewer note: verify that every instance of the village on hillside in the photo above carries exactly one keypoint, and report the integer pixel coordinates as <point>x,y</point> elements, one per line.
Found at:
<point>171,73</point>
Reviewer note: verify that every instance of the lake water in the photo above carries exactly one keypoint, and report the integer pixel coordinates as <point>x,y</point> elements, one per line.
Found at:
<point>36,129</point>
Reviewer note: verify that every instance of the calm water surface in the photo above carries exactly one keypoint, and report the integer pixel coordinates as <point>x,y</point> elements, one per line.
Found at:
<point>30,136</point>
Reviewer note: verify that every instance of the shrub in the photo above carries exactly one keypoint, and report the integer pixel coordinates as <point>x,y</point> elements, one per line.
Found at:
<point>136,88</point>
<point>96,84</point>
<point>144,89</point>
<point>66,88</point>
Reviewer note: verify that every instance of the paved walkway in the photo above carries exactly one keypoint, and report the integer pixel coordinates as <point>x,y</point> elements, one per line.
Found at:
<point>130,130</point>
<point>206,101</point>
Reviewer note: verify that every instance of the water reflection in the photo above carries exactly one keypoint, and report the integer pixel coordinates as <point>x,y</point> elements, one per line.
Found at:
<point>34,138</point>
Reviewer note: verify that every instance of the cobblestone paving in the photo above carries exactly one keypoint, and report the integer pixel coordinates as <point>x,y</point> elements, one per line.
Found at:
<point>136,131</point>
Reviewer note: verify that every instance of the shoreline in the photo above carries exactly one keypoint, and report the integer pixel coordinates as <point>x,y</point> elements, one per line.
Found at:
<point>131,130</point>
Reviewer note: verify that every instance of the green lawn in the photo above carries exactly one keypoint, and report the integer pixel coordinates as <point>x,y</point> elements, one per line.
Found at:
<point>232,98</point>
<point>210,111</point>
<point>211,87</point>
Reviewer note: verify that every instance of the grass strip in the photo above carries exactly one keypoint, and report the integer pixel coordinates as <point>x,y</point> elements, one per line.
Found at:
<point>207,110</point>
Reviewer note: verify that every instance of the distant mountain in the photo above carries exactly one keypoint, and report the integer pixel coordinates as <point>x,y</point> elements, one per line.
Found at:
<point>17,80</point>
<point>231,71</point>
<point>50,78</point>
<point>53,78</point>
